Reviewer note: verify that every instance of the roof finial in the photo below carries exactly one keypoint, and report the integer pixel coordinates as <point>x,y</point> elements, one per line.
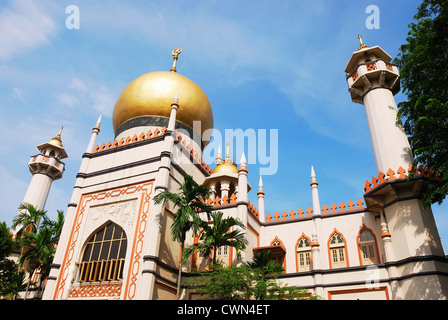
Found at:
<point>218,156</point>
<point>60,131</point>
<point>227,159</point>
<point>175,54</point>
<point>362,45</point>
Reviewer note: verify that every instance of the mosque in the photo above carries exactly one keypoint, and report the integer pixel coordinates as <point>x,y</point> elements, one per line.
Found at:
<point>116,241</point>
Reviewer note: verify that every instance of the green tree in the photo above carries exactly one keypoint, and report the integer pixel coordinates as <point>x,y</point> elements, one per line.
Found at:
<point>55,226</point>
<point>253,280</point>
<point>16,284</point>
<point>189,201</point>
<point>6,241</point>
<point>423,64</point>
<point>7,267</point>
<point>219,235</point>
<point>40,253</point>
<point>28,219</point>
<point>262,267</point>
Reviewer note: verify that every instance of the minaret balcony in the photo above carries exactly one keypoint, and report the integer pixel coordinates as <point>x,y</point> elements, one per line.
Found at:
<point>371,75</point>
<point>48,165</point>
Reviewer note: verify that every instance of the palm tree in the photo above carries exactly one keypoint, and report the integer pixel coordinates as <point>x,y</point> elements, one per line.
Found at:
<point>189,201</point>
<point>28,218</point>
<point>15,285</point>
<point>219,235</point>
<point>41,251</point>
<point>55,226</point>
<point>261,267</point>
<point>261,261</point>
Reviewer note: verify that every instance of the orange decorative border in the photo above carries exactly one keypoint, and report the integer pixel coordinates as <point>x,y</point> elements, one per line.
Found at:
<point>97,290</point>
<point>137,247</point>
<point>335,292</point>
<point>300,214</point>
<point>401,173</point>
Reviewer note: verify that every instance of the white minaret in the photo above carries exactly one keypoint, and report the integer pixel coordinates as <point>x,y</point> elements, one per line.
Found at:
<point>260,195</point>
<point>409,231</point>
<point>373,81</point>
<point>45,168</point>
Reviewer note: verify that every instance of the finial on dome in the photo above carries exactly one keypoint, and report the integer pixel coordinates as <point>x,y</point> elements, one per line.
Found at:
<point>227,159</point>
<point>219,156</point>
<point>57,140</point>
<point>362,45</point>
<point>175,54</point>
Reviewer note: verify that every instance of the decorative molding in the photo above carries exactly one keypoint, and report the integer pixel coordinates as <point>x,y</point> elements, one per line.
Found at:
<point>143,190</point>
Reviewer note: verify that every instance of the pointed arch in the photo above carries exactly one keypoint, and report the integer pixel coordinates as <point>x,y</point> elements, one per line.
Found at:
<point>278,255</point>
<point>367,247</point>
<point>337,250</point>
<point>103,254</point>
<point>303,253</point>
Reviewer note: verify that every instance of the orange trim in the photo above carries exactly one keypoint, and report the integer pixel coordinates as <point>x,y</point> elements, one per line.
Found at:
<point>385,234</point>
<point>359,246</point>
<point>345,248</point>
<point>283,247</point>
<point>256,233</point>
<point>335,292</point>
<point>145,188</point>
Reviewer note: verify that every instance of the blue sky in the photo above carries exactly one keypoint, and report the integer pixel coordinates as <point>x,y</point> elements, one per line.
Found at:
<point>263,65</point>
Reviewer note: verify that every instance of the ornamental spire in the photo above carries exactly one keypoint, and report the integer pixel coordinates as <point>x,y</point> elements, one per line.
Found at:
<point>176,52</point>
<point>362,45</point>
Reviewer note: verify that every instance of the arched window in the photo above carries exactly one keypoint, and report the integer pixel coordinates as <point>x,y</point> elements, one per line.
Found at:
<point>303,254</point>
<point>368,252</point>
<point>278,252</point>
<point>338,252</point>
<point>103,255</point>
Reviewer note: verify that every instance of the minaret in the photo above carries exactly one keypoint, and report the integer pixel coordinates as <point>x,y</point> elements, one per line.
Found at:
<point>45,168</point>
<point>260,195</point>
<point>413,251</point>
<point>373,81</point>
<point>317,230</point>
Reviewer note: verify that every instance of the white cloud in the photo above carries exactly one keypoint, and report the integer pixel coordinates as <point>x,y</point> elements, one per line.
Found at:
<point>87,94</point>
<point>25,24</point>
<point>18,94</point>
<point>12,191</point>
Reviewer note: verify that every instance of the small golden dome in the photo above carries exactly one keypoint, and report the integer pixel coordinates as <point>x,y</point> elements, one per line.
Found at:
<point>56,141</point>
<point>225,167</point>
<point>152,94</point>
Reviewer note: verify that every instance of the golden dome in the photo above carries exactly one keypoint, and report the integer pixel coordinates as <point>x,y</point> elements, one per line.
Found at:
<point>225,167</point>
<point>56,141</point>
<point>152,94</point>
